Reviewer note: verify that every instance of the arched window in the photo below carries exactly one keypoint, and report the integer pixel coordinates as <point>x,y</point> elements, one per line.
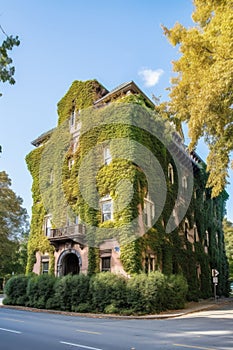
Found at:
<point>170,173</point>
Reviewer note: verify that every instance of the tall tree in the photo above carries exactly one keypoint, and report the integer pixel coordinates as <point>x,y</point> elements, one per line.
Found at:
<point>228,234</point>
<point>13,227</point>
<point>6,69</point>
<point>202,92</point>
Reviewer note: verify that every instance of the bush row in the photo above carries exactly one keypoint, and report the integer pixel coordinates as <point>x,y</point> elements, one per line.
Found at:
<point>103,292</point>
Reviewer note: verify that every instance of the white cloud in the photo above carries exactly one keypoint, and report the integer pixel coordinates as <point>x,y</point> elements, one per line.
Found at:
<point>150,77</point>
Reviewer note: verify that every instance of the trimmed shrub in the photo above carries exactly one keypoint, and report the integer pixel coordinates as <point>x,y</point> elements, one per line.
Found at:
<point>146,293</point>
<point>177,289</point>
<point>71,291</point>
<point>80,296</point>
<point>107,289</point>
<point>62,297</point>
<point>40,289</point>
<point>15,290</point>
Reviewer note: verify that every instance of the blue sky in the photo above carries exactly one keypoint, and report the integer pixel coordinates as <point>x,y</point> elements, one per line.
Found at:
<point>67,40</point>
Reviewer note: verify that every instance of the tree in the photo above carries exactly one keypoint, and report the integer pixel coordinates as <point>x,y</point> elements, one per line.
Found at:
<point>202,92</point>
<point>6,69</point>
<point>228,233</point>
<point>13,228</point>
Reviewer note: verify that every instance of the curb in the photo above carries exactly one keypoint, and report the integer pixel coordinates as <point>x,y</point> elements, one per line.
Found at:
<point>176,313</point>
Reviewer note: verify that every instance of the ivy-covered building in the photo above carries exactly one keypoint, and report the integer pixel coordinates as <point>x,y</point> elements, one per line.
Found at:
<point>115,189</point>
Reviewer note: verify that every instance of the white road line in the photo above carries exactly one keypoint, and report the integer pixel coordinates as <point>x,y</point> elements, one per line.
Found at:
<point>89,332</point>
<point>80,346</point>
<point>12,319</point>
<point>10,330</point>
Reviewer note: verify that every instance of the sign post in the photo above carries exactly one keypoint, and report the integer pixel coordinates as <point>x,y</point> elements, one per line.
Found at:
<point>215,273</point>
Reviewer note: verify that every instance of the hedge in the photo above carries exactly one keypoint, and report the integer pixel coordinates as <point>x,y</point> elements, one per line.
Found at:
<point>104,292</point>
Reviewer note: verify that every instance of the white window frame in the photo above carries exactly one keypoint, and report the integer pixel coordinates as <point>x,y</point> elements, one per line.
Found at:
<point>47,225</point>
<point>43,270</point>
<point>72,118</point>
<point>149,211</point>
<point>107,155</point>
<point>106,200</point>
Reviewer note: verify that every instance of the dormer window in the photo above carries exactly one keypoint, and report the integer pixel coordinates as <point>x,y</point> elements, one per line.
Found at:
<point>107,156</point>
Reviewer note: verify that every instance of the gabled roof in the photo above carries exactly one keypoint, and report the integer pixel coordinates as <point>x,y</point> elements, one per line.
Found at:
<point>129,86</point>
<point>40,139</point>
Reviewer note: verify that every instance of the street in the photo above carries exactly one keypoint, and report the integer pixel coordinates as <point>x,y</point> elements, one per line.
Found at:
<point>25,330</point>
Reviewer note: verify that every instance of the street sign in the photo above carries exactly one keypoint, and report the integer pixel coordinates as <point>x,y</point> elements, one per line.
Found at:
<point>215,273</point>
<point>215,280</point>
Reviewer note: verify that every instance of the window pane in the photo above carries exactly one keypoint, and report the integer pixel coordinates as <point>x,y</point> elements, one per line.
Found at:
<point>106,263</point>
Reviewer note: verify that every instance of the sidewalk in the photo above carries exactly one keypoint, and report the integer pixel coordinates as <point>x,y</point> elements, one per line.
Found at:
<point>191,307</point>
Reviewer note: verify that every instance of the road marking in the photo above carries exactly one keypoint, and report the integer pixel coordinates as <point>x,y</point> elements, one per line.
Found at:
<point>193,347</point>
<point>80,346</point>
<point>10,330</point>
<point>12,319</point>
<point>89,332</point>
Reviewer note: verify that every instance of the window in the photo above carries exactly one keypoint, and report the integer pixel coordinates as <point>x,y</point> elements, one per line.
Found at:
<point>195,233</point>
<point>72,118</point>
<point>184,182</point>
<point>45,267</point>
<point>186,229</point>
<point>206,238</point>
<point>70,163</point>
<point>47,225</point>
<point>106,263</point>
<point>51,179</point>
<point>170,173</point>
<point>106,208</point>
<point>75,143</point>
<point>107,156</point>
<point>149,263</point>
<point>149,211</point>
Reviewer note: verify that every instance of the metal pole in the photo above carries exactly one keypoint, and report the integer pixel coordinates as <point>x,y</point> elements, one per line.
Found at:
<point>215,295</point>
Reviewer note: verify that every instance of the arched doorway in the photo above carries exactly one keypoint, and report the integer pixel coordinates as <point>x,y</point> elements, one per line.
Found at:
<point>69,262</point>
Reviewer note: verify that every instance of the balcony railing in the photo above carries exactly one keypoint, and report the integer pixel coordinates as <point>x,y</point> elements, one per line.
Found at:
<point>68,231</point>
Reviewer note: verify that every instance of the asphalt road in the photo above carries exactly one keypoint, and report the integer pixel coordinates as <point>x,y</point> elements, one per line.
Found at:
<point>25,330</point>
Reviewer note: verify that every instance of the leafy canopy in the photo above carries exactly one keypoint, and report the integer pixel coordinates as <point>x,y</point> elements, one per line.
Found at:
<point>228,234</point>
<point>6,69</point>
<point>13,228</point>
<point>202,92</point>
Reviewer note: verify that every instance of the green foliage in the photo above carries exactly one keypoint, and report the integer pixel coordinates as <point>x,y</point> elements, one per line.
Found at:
<point>202,89</point>
<point>37,240</point>
<point>16,290</point>
<point>40,289</point>
<point>72,293</point>
<point>6,69</point>
<point>80,95</point>
<point>13,228</point>
<point>176,290</point>
<point>107,289</point>
<point>123,178</point>
<point>228,235</point>
<point>147,293</point>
